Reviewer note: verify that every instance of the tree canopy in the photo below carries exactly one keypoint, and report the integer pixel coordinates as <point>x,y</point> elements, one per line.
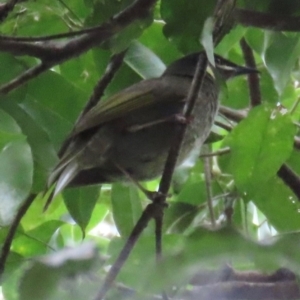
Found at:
<point>236,204</point>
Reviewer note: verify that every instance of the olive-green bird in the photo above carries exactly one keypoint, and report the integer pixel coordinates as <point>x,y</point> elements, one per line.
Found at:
<point>130,133</point>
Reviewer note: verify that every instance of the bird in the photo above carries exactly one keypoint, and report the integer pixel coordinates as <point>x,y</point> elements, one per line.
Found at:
<point>129,134</point>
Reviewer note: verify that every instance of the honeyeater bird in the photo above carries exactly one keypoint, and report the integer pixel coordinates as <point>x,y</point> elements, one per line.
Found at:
<point>130,133</point>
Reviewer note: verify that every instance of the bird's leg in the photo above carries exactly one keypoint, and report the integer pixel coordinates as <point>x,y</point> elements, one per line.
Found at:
<point>178,118</point>
<point>151,195</point>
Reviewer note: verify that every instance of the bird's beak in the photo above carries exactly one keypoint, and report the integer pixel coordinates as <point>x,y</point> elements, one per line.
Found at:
<point>229,69</point>
<point>241,70</point>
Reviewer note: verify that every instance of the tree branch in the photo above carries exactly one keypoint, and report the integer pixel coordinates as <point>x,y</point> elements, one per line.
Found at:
<point>267,21</point>
<point>24,77</point>
<point>253,78</point>
<point>53,53</point>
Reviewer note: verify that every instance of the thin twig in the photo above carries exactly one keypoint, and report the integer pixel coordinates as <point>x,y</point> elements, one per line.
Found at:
<point>24,77</point>
<point>274,22</point>
<point>209,194</point>
<point>165,182</point>
<point>170,164</point>
<point>290,178</point>
<point>216,153</point>
<point>223,125</point>
<point>12,230</point>
<point>148,214</point>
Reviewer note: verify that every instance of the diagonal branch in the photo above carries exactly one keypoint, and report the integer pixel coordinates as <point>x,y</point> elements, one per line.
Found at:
<point>267,21</point>
<point>61,51</point>
<point>24,77</point>
<point>12,230</point>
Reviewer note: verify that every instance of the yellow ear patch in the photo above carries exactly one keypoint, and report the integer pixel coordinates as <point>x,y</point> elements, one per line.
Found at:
<point>210,71</point>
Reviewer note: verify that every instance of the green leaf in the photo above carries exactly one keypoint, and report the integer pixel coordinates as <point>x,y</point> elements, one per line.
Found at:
<point>126,207</point>
<point>260,144</point>
<point>278,204</point>
<point>193,193</point>
<point>66,99</point>
<point>41,18</point>
<point>81,203</point>
<point>14,269</point>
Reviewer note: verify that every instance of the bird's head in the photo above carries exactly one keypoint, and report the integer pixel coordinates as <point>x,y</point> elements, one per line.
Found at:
<point>186,66</point>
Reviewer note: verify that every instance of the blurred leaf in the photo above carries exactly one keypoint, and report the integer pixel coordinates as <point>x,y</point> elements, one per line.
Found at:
<point>82,72</point>
<point>66,100</point>
<point>41,149</point>
<point>44,278</point>
<point>16,167</point>
<point>55,126</point>
<point>143,61</point>
<point>193,193</point>
<point>13,271</point>
<point>230,40</point>
<point>104,10</point>
<point>154,39</point>
<point>185,21</point>
<point>280,55</point>
<point>179,216</point>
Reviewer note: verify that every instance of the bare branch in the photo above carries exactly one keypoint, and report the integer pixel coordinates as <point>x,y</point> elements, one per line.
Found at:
<point>12,230</point>
<point>253,78</point>
<point>208,183</point>
<point>267,20</point>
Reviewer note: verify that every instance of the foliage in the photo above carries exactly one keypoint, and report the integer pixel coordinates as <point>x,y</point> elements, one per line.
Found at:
<point>36,117</point>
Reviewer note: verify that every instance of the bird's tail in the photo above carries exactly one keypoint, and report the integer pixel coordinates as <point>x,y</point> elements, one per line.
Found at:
<point>60,178</point>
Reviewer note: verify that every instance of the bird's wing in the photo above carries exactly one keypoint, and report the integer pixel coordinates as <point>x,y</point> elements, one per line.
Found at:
<point>137,96</point>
